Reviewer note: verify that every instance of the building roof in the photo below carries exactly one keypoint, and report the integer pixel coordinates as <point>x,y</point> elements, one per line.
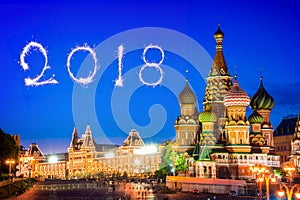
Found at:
<point>204,155</point>
<point>207,115</point>
<point>261,99</point>
<point>219,67</point>
<point>255,118</point>
<point>236,96</point>
<point>187,96</point>
<point>133,139</point>
<point>286,126</point>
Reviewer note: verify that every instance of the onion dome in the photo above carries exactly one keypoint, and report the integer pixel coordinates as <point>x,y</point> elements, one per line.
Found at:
<point>219,34</point>
<point>187,96</point>
<point>236,96</point>
<point>261,99</point>
<point>207,115</point>
<point>255,118</point>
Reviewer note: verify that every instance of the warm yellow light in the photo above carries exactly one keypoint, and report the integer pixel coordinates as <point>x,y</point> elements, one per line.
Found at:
<point>261,179</point>
<point>273,179</point>
<point>10,162</point>
<point>280,193</point>
<point>297,195</point>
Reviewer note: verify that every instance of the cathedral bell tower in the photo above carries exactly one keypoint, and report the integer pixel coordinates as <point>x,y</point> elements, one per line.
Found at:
<point>218,82</point>
<point>187,124</point>
<point>237,127</point>
<point>263,103</point>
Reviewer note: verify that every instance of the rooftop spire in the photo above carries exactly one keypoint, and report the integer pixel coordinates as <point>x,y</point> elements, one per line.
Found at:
<point>261,76</point>
<point>219,65</point>
<point>219,35</point>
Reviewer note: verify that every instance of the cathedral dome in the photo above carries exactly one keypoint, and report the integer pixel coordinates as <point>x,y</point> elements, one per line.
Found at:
<point>207,116</point>
<point>219,33</point>
<point>255,118</point>
<point>187,96</point>
<point>236,96</point>
<point>261,99</point>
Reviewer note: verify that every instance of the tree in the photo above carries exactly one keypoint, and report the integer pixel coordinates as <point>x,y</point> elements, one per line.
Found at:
<point>168,157</point>
<point>8,150</point>
<point>181,163</point>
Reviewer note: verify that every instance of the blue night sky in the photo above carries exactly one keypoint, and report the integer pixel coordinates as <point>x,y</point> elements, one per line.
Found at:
<point>257,35</point>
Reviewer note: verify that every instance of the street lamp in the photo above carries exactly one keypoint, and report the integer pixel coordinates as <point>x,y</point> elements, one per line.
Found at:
<point>289,191</point>
<point>263,174</point>
<point>289,170</point>
<point>9,162</point>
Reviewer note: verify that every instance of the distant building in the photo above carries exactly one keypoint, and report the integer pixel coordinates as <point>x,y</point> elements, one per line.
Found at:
<point>283,136</point>
<point>295,143</point>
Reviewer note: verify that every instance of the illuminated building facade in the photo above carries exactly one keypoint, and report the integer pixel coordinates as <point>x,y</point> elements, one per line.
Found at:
<point>283,135</point>
<point>85,158</point>
<point>227,137</point>
<point>295,144</point>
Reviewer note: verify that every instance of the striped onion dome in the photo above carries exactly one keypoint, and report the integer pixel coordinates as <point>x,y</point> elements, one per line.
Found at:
<point>255,118</point>
<point>207,116</point>
<point>236,96</point>
<point>262,99</point>
<point>187,96</point>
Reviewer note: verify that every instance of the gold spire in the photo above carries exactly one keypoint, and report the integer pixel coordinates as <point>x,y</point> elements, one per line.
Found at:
<point>219,35</point>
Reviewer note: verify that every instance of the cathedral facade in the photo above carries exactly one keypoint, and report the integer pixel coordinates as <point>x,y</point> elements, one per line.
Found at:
<point>223,132</point>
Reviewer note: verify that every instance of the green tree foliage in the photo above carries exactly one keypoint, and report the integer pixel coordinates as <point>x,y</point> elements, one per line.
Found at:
<point>168,158</point>
<point>181,163</point>
<point>8,150</point>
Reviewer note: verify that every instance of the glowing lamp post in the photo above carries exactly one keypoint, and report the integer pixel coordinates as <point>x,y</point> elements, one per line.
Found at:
<point>263,174</point>
<point>289,191</point>
<point>9,162</point>
<point>290,170</point>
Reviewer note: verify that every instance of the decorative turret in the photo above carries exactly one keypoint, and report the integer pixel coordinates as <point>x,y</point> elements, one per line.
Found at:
<point>208,119</point>
<point>133,139</point>
<point>207,116</point>
<point>187,96</point>
<point>218,81</point>
<point>236,101</point>
<point>237,127</point>
<point>256,137</point>
<point>87,138</point>
<point>74,141</point>
<point>261,100</point>
<point>255,118</point>
<point>263,103</point>
<point>187,124</point>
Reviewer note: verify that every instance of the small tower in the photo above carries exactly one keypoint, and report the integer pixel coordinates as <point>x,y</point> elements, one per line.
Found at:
<point>237,127</point>
<point>257,140</point>
<point>74,142</point>
<point>187,124</point>
<point>208,119</point>
<point>88,142</point>
<point>263,103</point>
<point>218,81</point>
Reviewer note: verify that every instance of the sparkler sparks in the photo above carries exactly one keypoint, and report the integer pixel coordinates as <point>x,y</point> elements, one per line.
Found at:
<point>36,81</point>
<point>119,81</point>
<point>90,77</point>
<point>152,64</point>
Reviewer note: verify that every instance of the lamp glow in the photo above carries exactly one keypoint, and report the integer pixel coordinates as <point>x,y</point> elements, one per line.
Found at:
<point>280,193</point>
<point>53,159</point>
<point>297,195</point>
